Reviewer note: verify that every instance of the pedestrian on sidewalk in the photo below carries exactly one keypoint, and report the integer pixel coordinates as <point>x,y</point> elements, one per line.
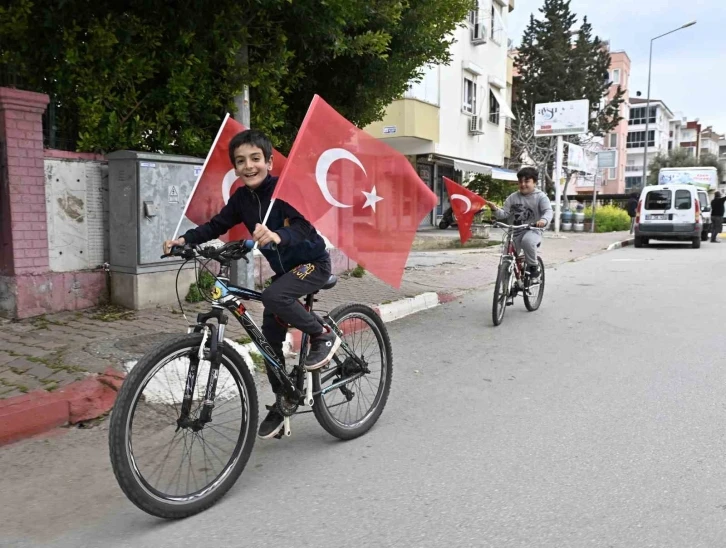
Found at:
<point>632,209</point>
<point>717,211</point>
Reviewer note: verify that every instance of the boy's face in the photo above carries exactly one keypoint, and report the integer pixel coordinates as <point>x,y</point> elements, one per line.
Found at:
<point>526,186</point>
<point>250,165</point>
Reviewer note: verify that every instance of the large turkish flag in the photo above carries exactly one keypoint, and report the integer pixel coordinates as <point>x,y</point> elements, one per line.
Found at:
<point>363,195</point>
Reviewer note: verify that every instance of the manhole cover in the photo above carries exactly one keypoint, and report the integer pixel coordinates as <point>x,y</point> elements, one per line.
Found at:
<point>142,343</point>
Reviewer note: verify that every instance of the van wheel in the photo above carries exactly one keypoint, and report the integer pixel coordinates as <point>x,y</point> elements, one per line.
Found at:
<point>638,241</point>
<point>696,243</point>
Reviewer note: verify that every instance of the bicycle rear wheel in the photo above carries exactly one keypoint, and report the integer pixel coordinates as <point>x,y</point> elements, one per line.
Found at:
<point>533,299</point>
<point>172,470</point>
<point>501,292</point>
<point>350,410</point>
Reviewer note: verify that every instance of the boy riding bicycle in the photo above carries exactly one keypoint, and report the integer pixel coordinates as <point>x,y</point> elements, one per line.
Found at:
<point>297,256</point>
<point>527,206</point>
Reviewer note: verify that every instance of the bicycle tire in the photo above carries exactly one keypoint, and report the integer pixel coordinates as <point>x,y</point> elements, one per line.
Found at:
<point>120,423</point>
<point>532,306</point>
<point>320,409</point>
<point>500,294</point>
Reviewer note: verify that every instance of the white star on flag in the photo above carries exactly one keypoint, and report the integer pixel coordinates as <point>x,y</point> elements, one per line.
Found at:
<point>371,199</point>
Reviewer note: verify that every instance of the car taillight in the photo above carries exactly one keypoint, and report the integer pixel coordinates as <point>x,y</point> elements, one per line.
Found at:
<point>637,212</point>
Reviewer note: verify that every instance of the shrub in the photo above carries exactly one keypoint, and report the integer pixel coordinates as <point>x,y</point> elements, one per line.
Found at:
<point>609,218</point>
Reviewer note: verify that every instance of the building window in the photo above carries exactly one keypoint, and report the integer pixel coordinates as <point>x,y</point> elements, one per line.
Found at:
<point>612,173</point>
<point>632,182</point>
<point>474,15</point>
<point>636,139</point>
<point>613,140</point>
<point>493,109</point>
<point>637,116</point>
<point>469,105</point>
<point>615,78</point>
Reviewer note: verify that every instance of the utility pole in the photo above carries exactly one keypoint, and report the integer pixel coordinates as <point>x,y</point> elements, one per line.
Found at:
<point>243,273</point>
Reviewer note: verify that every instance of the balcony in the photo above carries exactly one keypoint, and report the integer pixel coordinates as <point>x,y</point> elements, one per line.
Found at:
<point>409,125</point>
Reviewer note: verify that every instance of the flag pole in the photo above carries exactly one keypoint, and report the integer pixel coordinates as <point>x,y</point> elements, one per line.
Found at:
<point>209,154</point>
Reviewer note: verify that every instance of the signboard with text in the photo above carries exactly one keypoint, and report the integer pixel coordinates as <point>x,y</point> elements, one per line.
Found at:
<point>564,118</point>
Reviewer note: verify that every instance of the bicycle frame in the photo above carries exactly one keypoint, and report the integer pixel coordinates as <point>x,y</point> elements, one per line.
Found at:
<point>226,296</point>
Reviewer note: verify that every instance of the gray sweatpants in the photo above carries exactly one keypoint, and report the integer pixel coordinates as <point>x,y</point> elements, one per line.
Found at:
<point>527,241</point>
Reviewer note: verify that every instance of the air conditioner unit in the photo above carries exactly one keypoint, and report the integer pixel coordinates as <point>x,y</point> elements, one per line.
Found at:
<point>476,125</point>
<point>478,33</point>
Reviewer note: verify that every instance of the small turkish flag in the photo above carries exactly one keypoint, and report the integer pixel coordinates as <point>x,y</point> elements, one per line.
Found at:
<point>465,205</point>
<point>363,195</point>
<point>217,182</point>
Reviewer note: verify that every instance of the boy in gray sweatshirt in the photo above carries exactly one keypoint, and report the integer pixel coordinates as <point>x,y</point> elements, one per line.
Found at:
<point>528,206</point>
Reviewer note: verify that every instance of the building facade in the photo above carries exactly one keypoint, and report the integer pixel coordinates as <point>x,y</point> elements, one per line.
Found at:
<point>452,123</point>
<point>658,118</point>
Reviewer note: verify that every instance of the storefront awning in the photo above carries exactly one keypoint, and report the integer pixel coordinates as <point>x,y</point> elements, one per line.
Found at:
<point>462,165</point>
<point>504,174</point>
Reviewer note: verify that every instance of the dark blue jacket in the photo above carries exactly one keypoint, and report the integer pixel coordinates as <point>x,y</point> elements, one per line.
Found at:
<point>300,242</point>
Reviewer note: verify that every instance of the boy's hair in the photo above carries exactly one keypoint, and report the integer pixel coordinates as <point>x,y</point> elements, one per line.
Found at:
<point>528,173</point>
<point>252,137</point>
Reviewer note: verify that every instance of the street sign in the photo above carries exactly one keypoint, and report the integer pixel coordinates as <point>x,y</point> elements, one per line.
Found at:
<point>564,118</point>
<point>607,159</point>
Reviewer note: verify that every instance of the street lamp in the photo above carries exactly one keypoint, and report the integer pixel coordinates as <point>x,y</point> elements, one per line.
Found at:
<point>647,104</point>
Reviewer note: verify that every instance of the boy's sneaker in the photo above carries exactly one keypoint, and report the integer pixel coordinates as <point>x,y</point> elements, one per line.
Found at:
<point>322,349</point>
<point>272,424</point>
<point>533,271</point>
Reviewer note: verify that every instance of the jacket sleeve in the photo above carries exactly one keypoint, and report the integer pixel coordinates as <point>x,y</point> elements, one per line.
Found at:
<point>299,228</point>
<point>504,211</point>
<point>228,217</point>
<point>545,208</point>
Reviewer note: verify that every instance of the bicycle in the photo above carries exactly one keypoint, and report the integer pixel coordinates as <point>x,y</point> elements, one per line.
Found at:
<point>512,276</point>
<point>201,418</point>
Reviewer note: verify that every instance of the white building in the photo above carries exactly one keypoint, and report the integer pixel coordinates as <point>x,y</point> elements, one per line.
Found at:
<point>659,128</point>
<point>452,122</point>
<point>710,142</point>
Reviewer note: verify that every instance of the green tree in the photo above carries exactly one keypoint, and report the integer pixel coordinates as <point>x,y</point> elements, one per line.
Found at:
<point>158,76</point>
<point>558,62</point>
<point>679,157</point>
<point>495,190</point>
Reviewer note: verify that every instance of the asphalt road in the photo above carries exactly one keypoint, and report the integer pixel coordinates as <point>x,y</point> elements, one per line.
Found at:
<point>596,421</point>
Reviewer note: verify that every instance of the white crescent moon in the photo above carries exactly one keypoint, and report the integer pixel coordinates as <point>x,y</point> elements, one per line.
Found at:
<point>321,171</point>
<point>464,199</point>
<point>227,183</point>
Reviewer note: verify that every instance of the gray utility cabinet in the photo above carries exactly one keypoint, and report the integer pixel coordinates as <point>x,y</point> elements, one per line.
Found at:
<point>147,193</point>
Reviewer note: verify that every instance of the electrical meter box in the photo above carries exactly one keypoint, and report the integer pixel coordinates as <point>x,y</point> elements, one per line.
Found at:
<point>147,195</point>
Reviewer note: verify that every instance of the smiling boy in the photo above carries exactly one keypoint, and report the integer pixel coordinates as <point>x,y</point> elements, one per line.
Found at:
<point>297,256</point>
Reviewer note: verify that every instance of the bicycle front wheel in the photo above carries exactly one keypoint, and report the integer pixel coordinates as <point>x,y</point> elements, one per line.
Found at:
<point>170,468</point>
<point>533,295</point>
<point>351,409</point>
<point>501,292</point>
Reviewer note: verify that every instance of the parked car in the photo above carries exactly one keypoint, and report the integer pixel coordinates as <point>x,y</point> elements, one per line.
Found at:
<point>669,212</point>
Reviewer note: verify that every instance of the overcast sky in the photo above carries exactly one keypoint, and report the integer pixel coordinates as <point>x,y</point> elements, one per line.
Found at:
<point>689,66</point>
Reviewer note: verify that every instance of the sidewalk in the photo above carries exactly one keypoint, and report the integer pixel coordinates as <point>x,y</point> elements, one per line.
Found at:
<point>65,368</point>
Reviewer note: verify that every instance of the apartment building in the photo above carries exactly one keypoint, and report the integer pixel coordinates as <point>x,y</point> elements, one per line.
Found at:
<point>452,123</point>
<point>658,117</point>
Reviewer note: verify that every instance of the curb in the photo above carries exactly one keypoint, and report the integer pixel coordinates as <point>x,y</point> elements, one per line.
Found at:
<point>39,411</point>
<point>618,245</point>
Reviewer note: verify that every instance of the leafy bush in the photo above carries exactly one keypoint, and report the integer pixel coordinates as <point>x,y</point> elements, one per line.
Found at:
<point>197,291</point>
<point>609,218</point>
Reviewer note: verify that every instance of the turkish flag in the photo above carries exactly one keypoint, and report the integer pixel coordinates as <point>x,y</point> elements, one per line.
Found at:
<point>217,181</point>
<point>364,196</point>
<point>465,205</point>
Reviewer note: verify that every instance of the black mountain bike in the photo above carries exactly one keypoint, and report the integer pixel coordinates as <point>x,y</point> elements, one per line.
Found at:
<point>512,276</point>
<point>185,420</point>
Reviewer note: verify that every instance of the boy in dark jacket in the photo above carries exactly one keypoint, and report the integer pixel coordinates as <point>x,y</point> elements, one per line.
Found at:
<point>297,256</point>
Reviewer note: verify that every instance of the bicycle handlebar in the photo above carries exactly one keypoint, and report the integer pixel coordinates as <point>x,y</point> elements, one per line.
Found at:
<point>516,227</point>
<point>231,251</point>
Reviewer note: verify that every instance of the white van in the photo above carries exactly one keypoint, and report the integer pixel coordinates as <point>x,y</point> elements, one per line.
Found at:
<point>669,212</point>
